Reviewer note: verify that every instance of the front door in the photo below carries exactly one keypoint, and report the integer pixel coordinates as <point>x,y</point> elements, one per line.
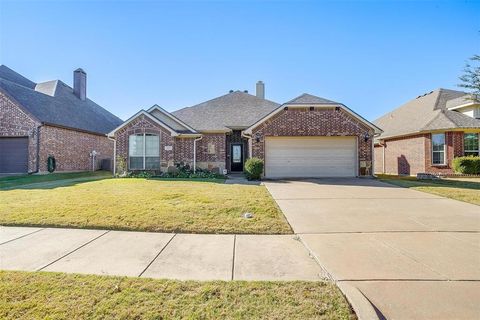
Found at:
<point>237,157</point>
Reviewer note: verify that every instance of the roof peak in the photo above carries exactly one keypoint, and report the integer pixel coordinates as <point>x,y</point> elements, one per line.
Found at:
<point>307,98</point>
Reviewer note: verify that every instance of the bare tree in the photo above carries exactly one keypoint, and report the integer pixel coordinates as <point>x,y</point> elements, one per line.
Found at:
<point>471,75</point>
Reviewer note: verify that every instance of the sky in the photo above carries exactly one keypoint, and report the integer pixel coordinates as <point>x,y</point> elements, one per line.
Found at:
<point>372,56</point>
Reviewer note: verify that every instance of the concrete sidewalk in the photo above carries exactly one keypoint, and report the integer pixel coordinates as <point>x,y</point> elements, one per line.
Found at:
<point>157,255</point>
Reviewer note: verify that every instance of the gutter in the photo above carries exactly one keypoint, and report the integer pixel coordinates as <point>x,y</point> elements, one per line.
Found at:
<point>195,153</point>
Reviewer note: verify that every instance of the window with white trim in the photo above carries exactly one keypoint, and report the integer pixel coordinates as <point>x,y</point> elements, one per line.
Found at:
<point>438,148</point>
<point>144,151</point>
<point>470,144</point>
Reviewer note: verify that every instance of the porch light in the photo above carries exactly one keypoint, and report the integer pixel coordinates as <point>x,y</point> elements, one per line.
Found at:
<point>366,136</point>
<point>257,137</point>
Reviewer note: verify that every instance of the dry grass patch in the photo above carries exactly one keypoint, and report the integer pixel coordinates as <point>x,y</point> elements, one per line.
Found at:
<point>27,295</point>
<point>463,190</point>
<point>145,205</point>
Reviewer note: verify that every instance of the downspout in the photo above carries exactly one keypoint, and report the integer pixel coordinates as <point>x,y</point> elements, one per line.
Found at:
<point>195,153</point>
<point>38,150</point>
<point>249,137</point>
<point>114,154</point>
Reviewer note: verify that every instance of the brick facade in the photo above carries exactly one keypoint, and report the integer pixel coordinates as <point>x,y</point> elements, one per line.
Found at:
<point>143,124</point>
<point>413,154</point>
<point>317,122</point>
<point>454,148</point>
<point>72,149</point>
<point>405,155</point>
<point>14,122</point>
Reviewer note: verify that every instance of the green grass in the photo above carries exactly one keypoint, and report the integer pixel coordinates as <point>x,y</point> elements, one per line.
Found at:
<point>467,191</point>
<point>144,205</point>
<point>41,295</point>
<point>21,180</point>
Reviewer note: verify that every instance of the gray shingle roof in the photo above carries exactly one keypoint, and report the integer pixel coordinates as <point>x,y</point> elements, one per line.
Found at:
<point>426,112</point>
<point>54,102</point>
<point>234,110</point>
<point>310,99</point>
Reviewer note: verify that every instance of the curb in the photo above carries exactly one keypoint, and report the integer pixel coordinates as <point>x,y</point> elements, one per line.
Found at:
<point>360,304</point>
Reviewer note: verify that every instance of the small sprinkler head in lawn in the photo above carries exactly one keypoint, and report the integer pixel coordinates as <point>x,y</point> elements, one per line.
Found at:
<point>248,215</point>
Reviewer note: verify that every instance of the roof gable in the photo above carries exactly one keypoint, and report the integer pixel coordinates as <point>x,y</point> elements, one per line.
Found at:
<point>170,120</point>
<point>308,99</point>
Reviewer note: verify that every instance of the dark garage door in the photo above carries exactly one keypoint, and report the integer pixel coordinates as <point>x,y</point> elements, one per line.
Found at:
<point>14,155</point>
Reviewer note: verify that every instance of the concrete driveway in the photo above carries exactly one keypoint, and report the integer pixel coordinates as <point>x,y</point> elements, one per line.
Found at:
<point>413,255</point>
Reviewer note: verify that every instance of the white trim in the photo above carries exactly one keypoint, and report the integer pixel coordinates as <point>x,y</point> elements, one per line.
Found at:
<point>342,106</point>
<point>145,151</point>
<point>444,149</point>
<point>136,115</point>
<point>478,146</point>
<point>468,104</point>
<point>168,114</point>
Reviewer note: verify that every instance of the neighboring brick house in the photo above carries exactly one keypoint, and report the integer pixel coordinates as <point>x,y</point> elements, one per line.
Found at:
<point>305,137</point>
<point>425,134</point>
<point>38,120</point>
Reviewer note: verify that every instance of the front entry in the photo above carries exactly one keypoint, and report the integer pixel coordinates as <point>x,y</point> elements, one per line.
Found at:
<point>237,157</point>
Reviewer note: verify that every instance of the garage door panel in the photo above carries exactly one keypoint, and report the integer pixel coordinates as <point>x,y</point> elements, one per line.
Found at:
<point>300,157</point>
<point>14,155</point>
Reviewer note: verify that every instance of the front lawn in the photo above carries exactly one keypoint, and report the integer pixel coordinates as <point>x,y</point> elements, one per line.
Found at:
<point>28,295</point>
<point>463,190</point>
<point>145,205</point>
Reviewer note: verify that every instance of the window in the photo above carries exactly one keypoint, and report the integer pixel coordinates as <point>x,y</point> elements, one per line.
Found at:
<point>438,148</point>
<point>470,144</point>
<point>211,148</point>
<point>144,152</point>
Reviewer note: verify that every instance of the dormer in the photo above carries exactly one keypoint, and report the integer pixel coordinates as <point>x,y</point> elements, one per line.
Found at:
<point>468,104</point>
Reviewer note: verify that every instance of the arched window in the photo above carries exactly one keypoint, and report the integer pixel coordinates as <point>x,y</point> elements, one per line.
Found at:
<point>144,152</point>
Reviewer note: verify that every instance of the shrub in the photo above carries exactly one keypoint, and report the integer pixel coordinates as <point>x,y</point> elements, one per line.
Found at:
<point>254,168</point>
<point>467,165</point>
<point>183,171</point>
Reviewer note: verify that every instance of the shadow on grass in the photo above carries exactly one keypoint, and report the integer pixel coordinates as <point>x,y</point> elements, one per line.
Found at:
<point>64,180</point>
<point>409,182</point>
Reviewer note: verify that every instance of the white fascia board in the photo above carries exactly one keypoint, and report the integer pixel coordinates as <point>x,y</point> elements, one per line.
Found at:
<point>148,115</point>
<point>168,114</point>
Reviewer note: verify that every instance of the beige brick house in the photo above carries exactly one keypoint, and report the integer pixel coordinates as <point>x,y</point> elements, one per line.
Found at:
<point>38,120</point>
<point>426,133</point>
<point>306,137</point>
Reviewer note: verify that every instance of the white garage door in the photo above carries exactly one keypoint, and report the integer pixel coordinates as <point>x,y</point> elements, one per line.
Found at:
<point>310,157</point>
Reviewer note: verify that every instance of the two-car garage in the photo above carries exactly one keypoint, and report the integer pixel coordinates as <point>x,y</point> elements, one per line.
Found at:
<point>310,157</point>
<point>13,155</point>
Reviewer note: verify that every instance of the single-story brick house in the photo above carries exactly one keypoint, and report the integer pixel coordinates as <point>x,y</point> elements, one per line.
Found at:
<point>38,120</point>
<point>425,134</point>
<point>306,137</point>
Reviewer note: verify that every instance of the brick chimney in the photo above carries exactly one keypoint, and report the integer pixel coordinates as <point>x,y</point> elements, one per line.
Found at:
<point>80,84</point>
<point>260,90</point>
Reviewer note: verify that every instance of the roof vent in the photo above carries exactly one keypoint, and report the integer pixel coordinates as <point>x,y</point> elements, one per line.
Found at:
<point>246,91</point>
<point>230,91</point>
